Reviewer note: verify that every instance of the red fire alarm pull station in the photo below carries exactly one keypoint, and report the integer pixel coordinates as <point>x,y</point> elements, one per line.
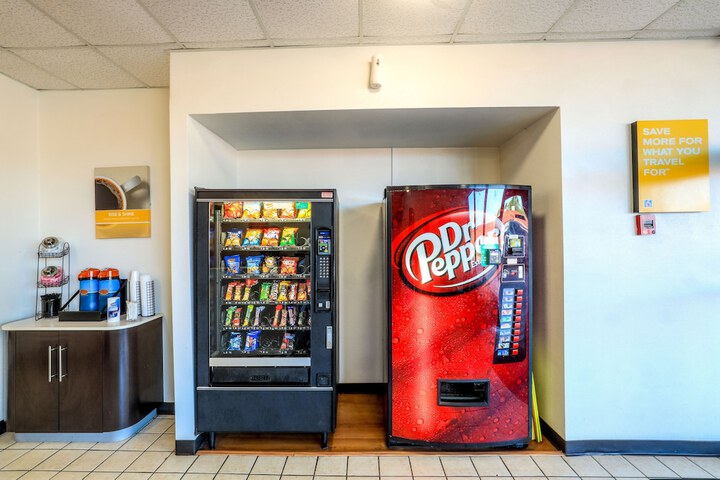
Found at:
<point>645,224</point>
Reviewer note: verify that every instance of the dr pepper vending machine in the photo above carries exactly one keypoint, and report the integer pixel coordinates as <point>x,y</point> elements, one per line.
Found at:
<point>460,308</point>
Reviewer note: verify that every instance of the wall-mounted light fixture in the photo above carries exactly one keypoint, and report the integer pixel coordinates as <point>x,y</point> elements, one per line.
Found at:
<point>376,72</point>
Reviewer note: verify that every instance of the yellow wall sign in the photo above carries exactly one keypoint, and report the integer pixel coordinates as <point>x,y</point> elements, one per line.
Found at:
<point>671,170</point>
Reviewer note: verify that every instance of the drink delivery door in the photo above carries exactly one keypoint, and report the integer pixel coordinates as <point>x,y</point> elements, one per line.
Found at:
<point>459,306</point>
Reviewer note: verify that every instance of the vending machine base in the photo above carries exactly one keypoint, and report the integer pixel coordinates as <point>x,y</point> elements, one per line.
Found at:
<point>266,410</point>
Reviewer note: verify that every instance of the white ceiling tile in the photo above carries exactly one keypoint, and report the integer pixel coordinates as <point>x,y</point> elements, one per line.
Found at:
<point>401,18</point>
<point>208,20</point>
<point>679,34</point>
<point>690,15</point>
<point>585,36</point>
<point>150,63</point>
<point>24,72</point>
<point>116,22</point>
<point>22,25</point>
<point>499,37</point>
<point>512,16</point>
<point>288,19</point>
<point>611,15</point>
<point>81,66</point>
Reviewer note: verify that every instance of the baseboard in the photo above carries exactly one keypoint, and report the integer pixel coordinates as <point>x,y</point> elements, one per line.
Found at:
<point>166,408</point>
<point>3,426</point>
<point>641,447</point>
<point>190,447</point>
<point>377,388</point>
<point>554,437</point>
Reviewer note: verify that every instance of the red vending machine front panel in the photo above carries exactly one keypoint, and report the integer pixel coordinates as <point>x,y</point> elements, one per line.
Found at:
<point>459,315</point>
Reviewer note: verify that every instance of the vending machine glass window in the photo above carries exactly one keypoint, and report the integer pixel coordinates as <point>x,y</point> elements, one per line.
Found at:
<point>265,310</point>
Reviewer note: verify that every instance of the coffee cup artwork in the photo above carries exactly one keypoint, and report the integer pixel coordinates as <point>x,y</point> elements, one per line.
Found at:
<point>122,202</point>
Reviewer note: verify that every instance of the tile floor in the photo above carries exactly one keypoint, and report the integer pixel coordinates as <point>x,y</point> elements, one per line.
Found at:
<point>149,455</point>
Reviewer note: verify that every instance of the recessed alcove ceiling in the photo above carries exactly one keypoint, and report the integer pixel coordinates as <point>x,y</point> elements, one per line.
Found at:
<point>372,128</point>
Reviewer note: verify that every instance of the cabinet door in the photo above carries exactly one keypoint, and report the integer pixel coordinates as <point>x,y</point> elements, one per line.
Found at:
<point>36,385</point>
<point>80,381</point>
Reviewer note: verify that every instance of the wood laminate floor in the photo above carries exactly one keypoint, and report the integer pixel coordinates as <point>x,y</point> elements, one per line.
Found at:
<point>360,430</point>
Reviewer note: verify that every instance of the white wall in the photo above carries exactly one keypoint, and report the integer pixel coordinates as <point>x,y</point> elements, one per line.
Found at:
<point>631,305</point>
<point>79,131</point>
<point>19,215</point>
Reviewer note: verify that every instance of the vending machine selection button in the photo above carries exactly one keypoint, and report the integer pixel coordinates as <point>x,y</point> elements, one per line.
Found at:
<point>519,291</point>
<point>508,291</point>
<point>516,352</point>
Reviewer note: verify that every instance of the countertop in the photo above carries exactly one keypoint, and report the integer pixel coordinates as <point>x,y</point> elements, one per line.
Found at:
<point>30,324</point>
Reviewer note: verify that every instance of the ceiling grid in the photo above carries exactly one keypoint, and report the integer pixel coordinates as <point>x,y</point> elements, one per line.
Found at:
<point>86,44</point>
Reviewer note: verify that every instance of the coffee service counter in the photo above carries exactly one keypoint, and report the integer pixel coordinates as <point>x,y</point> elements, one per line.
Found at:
<point>83,381</point>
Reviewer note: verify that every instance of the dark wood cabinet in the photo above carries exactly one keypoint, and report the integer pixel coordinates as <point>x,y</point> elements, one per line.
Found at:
<point>84,381</point>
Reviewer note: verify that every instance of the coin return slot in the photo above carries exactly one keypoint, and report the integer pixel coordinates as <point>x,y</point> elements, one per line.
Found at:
<point>463,393</point>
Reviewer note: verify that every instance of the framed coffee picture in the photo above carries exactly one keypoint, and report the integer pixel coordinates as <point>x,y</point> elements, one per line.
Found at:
<point>122,202</point>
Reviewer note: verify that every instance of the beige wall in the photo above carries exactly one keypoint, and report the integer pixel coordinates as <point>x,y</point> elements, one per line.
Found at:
<point>79,131</point>
<point>19,198</point>
<point>533,157</point>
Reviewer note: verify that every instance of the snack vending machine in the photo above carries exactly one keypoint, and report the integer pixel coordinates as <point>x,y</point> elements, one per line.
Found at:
<point>460,309</point>
<point>266,311</point>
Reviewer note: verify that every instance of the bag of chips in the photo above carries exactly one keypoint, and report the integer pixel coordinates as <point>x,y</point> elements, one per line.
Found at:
<point>288,236</point>
<point>232,210</point>
<point>252,237</point>
<point>253,264</point>
<point>234,237</point>
<point>251,210</point>
<point>252,341</point>
<point>271,237</point>
<point>235,343</point>
<point>283,291</point>
<point>287,209</point>
<point>288,343</point>
<point>232,264</point>
<point>302,292</point>
<point>270,265</point>
<point>288,265</point>
<point>303,209</point>
<point>269,210</point>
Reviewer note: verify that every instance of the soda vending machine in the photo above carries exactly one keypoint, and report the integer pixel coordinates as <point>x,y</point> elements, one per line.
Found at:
<point>266,311</point>
<point>460,308</point>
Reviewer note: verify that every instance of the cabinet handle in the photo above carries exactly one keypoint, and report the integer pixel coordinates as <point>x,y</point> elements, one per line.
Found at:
<point>60,369</point>
<point>50,374</point>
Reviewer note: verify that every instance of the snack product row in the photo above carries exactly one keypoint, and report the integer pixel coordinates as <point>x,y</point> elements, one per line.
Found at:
<point>270,343</point>
<point>261,237</point>
<point>239,316</point>
<point>267,210</point>
<point>267,291</point>
<point>264,264</point>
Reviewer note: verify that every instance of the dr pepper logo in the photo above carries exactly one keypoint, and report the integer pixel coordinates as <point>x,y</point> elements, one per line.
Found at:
<point>442,255</point>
